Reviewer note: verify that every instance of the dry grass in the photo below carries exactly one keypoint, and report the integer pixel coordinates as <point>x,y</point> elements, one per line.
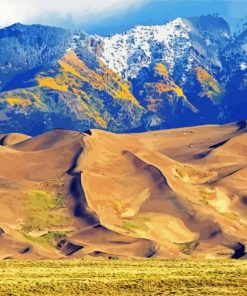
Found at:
<point>119,277</point>
<point>39,211</point>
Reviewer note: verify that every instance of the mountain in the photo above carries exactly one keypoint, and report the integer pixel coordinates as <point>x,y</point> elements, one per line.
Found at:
<point>186,72</point>
<point>162,194</point>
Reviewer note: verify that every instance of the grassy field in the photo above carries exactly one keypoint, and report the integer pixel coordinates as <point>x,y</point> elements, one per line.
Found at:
<point>117,277</point>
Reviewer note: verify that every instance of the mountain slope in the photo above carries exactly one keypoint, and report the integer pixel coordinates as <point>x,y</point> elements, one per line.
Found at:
<point>186,72</point>
<point>193,41</point>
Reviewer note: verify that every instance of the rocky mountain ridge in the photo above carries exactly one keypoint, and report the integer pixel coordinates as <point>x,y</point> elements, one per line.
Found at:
<point>186,72</point>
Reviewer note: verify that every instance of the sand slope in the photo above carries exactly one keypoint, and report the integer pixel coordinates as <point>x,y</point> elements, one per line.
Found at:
<point>173,193</point>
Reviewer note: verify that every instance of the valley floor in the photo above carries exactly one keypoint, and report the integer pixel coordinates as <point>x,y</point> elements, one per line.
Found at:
<point>120,277</point>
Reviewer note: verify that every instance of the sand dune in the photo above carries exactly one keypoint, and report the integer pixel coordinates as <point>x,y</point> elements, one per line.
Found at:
<point>12,139</point>
<point>173,193</point>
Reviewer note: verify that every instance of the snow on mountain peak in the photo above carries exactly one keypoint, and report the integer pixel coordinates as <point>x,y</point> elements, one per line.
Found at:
<point>181,45</point>
<point>129,52</point>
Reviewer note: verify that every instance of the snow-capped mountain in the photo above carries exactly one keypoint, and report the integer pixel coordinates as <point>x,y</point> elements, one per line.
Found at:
<point>185,72</point>
<point>142,46</point>
<point>128,53</point>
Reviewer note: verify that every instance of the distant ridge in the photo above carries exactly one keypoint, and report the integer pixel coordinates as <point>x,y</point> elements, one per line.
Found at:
<point>186,72</point>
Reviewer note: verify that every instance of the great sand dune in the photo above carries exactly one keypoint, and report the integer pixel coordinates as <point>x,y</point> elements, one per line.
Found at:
<point>165,194</point>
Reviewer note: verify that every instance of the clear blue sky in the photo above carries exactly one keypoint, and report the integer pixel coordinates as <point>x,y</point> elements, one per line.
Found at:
<point>160,11</point>
<point>105,17</point>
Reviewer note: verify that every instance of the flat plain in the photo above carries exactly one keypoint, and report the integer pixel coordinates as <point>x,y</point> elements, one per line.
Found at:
<point>123,277</point>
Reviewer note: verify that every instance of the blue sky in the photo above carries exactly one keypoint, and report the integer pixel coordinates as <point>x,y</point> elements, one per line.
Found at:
<point>105,17</point>
<point>160,11</point>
